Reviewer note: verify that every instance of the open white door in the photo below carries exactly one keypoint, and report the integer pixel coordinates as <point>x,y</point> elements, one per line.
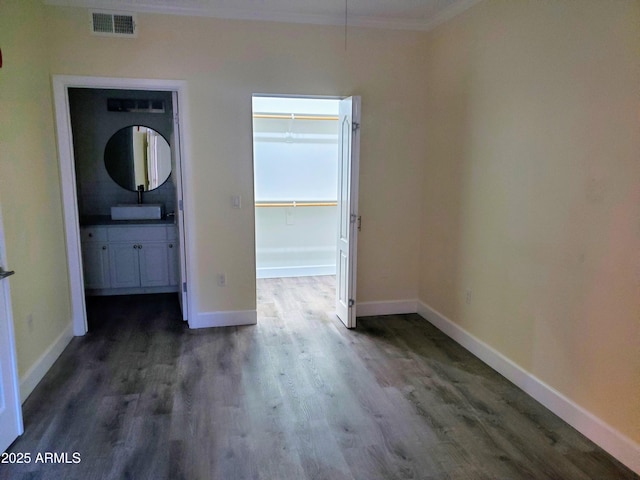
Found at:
<point>176,164</point>
<point>10,409</point>
<point>348,163</point>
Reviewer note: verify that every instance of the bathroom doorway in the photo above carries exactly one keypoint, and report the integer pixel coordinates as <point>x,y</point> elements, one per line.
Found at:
<point>155,260</point>
<point>305,185</point>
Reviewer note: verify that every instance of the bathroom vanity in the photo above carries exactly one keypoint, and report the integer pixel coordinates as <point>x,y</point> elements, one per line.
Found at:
<point>129,257</point>
<point>126,194</point>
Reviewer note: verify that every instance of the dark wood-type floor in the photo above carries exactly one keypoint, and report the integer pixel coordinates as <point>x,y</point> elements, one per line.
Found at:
<point>297,396</point>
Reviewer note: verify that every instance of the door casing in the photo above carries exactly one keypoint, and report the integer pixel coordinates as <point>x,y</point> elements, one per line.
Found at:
<point>61,84</point>
<point>349,318</point>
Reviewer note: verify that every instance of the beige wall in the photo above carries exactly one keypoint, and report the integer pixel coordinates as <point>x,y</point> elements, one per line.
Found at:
<point>29,186</point>
<point>511,131</point>
<point>532,192</point>
<point>224,63</point>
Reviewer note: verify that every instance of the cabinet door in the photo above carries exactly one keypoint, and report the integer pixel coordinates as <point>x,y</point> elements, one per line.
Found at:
<point>174,265</point>
<point>123,259</point>
<point>154,265</point>
<point>95,265</point>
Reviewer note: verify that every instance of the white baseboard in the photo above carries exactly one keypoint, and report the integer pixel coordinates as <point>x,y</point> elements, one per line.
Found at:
<point>602,434</point>
<point>390,307</point>
<point>39,369</point>
<point>285,272</point>
<point>224,319</point>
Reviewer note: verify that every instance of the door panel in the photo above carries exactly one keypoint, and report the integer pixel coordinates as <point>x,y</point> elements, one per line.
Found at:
<point>125,271</point>
<point>348,171</point>
<point>95,265</point>
<point>176,165</point>
<point>10,408</point>
<point>154,264</point>
<point>343,282</point>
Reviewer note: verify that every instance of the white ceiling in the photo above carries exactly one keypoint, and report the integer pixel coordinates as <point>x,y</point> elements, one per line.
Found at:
<point>398,14</point>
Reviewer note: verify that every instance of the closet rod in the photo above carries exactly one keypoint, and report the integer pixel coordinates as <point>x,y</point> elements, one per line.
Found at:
<point>294,116</point>
<point>296,204</point>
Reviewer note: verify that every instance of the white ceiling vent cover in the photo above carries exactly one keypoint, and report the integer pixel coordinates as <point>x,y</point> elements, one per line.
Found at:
<point>113,24</point>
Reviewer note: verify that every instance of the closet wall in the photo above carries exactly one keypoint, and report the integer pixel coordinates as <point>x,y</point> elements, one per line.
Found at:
<point>295,171</point>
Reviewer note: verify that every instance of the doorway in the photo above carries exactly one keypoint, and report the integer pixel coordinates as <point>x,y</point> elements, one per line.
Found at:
<point>143,259</point>
<point>305,183</point>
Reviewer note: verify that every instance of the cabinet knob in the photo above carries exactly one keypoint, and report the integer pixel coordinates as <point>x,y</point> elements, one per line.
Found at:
<point>104,247</point>
<point>171,245</point>
<point>135,246</point>
<point>140,246</point>
<point>90,235</point>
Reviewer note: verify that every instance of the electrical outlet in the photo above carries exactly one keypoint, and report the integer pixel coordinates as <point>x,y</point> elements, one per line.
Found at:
<point>467,296</point>
<point>222,279</point>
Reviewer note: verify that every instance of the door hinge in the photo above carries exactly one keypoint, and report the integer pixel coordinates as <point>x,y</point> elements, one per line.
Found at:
<point>184,287</point>
<point>176,118</point>
<point>357,219</point>
<point>180,205</point>
<point>355,126</point>
<point>352,302</point>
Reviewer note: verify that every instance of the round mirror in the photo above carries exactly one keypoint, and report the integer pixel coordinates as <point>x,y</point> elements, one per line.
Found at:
<point>138,158</point>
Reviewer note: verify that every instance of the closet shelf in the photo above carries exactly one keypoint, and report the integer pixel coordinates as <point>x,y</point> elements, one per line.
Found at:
<point>294,116</point>
<point>294,203</point>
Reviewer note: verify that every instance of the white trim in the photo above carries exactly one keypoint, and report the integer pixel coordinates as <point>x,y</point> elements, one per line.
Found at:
<point>180,133</point>
<point>224,319</point>
<point>61,84</point>
<point>69,204</point>
<point>300,271</point>
<point>272,15</point>
<point>608,438</point>
<point>39,369</point>
<point>389,307</point>
<point>12,407</point>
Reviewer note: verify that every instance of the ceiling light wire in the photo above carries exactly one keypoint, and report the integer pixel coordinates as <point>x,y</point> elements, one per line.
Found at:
<point>346,17</point>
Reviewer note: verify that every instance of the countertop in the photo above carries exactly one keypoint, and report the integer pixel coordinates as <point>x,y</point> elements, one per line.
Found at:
<point>93,220</point>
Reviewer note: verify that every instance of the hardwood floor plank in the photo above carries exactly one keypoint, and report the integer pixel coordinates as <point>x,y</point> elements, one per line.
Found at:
<point>295,397</point>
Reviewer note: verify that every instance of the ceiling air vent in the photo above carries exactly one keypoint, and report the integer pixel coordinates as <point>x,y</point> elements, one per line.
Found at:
<point>113,24</point>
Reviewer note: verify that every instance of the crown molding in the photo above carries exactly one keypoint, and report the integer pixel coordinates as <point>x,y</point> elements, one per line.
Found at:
<point>235,13</point>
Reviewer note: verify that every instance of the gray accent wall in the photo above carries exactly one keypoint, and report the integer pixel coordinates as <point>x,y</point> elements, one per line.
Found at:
<point>92,125</point>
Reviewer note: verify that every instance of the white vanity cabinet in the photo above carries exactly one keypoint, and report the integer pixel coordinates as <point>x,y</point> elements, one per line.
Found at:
<point>130,259</point>
<point>174,259</point>
<point>95,257</point>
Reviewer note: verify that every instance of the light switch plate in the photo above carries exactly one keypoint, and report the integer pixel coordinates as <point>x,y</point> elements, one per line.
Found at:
<point>289,216</point>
